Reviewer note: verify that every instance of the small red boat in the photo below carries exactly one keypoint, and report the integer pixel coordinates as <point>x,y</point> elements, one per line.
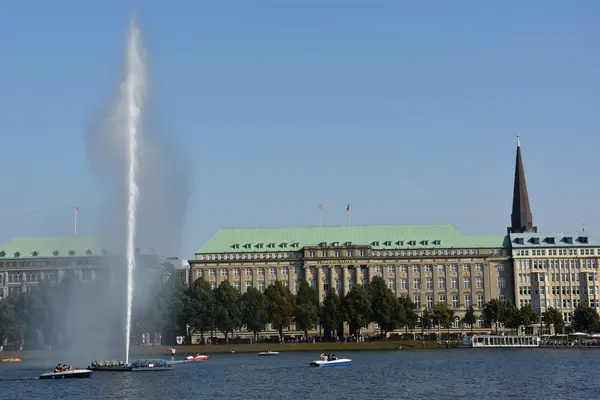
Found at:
<point>197,357</point>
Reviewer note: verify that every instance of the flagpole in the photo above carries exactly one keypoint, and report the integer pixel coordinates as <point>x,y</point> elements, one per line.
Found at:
<point>76,211</point>
<point>321,214</point>
<point>348,209</point>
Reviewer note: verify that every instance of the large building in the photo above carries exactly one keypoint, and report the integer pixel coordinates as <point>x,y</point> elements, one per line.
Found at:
<point>429,263</point>
<point>26,262</point>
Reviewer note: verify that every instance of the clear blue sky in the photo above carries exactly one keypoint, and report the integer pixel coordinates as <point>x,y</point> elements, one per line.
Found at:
<point>406,110</point>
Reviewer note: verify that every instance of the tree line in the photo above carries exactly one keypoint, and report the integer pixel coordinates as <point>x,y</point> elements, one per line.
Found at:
<point>175,310</point>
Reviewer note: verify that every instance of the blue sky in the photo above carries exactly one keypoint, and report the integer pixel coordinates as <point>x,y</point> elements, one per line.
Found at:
<point>406,110</point>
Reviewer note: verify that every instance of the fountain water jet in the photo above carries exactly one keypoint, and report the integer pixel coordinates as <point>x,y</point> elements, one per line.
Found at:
<point>133,93</point>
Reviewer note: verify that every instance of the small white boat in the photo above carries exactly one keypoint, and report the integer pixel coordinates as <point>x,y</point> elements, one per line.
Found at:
<point>74,373</point>
<point>268,353</point>
<point>342,362</point>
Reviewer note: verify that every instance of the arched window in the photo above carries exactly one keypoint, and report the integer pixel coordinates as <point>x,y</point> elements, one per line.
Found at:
<point>456,322</point>
<point>480,321</point>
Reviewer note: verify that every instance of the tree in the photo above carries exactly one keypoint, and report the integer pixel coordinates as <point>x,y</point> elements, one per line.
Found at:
<point>228,315</point>
<point>280,306</point>
<point>443,315</point>
<point>554,317</point>
<point>331,313</point>
<point>527,316</point>
<point>493,313</point>
<point>584,318</point>
<point>426,319</point>
<point>509,316</point>
<point>383,304</point>
<point>199,307</point>
<point>9,321</point>
<point>254,311</point>
<point>469,318</point>
<point>410,311</point>
<point>357,308</point>
<point>306,313</point>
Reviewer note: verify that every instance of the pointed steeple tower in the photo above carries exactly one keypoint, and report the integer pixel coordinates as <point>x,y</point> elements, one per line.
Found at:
<point>521,218</point>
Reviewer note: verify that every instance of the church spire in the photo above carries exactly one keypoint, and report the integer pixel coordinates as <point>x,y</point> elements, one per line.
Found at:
<point>521,218</point>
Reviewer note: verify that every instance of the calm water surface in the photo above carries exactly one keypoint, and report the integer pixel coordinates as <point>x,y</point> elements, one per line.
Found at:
<point>436,374</point>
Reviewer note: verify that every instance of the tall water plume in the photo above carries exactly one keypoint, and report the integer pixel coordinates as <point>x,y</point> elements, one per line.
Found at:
<point>134,91</point>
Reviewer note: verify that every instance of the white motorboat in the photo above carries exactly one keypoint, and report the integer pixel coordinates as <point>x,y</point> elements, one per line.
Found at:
<point>74,373</point>
<point>342,362</point>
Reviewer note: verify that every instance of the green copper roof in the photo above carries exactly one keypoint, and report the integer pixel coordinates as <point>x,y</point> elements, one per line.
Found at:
<point>76,246</point>
<point>241,240</point>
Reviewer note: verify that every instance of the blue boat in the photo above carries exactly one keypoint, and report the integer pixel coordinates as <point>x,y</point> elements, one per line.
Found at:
<point>268,353</point>
<point>150,366</point>
<point>342,362</point>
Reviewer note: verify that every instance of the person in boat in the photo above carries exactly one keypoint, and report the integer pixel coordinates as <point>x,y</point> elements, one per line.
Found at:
<point>173,351</point>
<point>58,368</point>
<point>323,356</point>
<point>333,357</point>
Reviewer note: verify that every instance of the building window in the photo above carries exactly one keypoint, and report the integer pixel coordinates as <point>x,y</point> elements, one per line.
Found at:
<point>236,272</point>
<point>392,285</point>
<point>429,268</point>
<point>500,267</point>
<point>338,286</point>
<point>261,272</point>
<point>236,285</point>
<point>454,283</point>
<point>441,268</point>
<point>224,272</point>
<point>501,283</point>
<point>391,269</point>
<point>248,284</point>
<point>325,286</point>
<point>479,268</point>
<point>443,298</point>
<point>261,286</point>
<point>429,283</point>
<point>273,271</point>
<point>212,272</point>
<point>311,254</point>
<point>417,300</point>
<point>429,301</point>
<point>455,304</point>
<point>454,268</point>
<point>213,285</point>
<point>248,271</point>
<point>467,268</point>
<point>416,283</point>
<point>404,283</point>
<point>480,301</point>
<point>286,271</point>
<point>467,282</point>
<point>286,283</point>
<point>468,300</point>
<point>479,282</point>
<point>416,268</point>
<point>441,283</point>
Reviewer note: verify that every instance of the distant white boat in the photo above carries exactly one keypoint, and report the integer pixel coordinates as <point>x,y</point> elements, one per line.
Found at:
<point>497,341</point>
<point>333,363</point>
<point>268,353</point>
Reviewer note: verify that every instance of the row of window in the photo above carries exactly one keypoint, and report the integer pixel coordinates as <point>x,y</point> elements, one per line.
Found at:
<point>555,252</point>
<point>556,277</point>
<point>54,263</point>
<point>556,264</point>
<point>558,290</point>
<point>441,283</point>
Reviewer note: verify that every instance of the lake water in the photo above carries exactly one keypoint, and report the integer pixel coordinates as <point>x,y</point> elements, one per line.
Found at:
<point>436,374</point>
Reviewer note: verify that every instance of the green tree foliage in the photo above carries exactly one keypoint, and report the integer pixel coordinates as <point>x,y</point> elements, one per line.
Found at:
<point>9,321</point>
<point>306,314</point>
<point>227,312</point>
<point>443,315</point>
<point>410,311</point>
<point>554,317</point>
<point>357,308</point>
<point>198,307</point>
<point>280,306</point>
<point>470,318</point>
<point>509,316</point>
<point>527,316</point>
<point>254,311</point>
<point>493,313</point>
<point>426,319</point>
<point>585,318</point>
<point>331,313</point>
<point>383,304</point>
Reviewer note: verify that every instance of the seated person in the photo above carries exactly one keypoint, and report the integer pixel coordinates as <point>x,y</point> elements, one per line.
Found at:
<point>58,368</point>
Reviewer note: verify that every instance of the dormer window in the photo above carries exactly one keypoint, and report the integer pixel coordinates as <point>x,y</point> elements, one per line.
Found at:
<point>412,243</point>
<point>55,253</point>
<point>271,245</point>
<point>437,242</point>
<point>534,240</point>
<point>88,252</point>
<point>283,245</point>
<point>71,252</point>
<point>335,243</point>
<point>322,244</point>
<point>519,241</point>
<point>375,244</point>
<point>235,246</point>
<point>424,242</point>
<point>347,244</point>
<point>296,244</point>
<point>550,240</point>
<point>2,253</point>
<point>34,253</point>
<point>387,243</point>
<point>567,239</point>
<point>400,243</point>
<point>17,254</point>
<point>259,246</point>
<point>247,245</point>
<point>582,239</point>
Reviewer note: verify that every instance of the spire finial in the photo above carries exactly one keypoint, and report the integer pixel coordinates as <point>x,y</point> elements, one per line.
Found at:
<point>518,140</point>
